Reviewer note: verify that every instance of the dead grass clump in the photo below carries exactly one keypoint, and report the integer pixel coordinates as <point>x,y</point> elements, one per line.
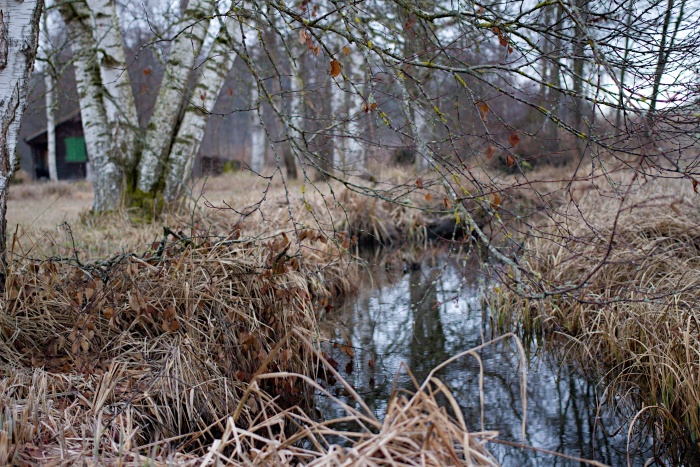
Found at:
<point>415,431</point>
<point>57,419</point>
<point>169,337</point>
<point>374,221</point>
<point>632,305</point>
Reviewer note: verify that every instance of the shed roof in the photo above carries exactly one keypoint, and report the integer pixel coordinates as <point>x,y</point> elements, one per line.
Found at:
<point>73,117</point>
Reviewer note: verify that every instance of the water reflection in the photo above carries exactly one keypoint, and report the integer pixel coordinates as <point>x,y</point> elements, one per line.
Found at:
<point>424,317</point>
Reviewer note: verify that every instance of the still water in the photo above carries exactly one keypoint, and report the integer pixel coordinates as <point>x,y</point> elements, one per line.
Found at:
<point>425,316</point>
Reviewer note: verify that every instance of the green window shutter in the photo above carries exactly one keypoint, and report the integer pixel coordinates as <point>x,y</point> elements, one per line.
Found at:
<point>75,150</point>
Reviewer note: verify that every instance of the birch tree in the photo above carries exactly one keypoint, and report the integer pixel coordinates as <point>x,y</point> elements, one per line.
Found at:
<point>51,104</point>
<point>129,164</point>
<point>19,37</point>
<point>414,56</point>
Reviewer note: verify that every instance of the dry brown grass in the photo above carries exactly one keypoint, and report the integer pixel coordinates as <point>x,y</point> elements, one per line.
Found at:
<point>50,420</point>
<point>636,314</point>
<point>124,344</point>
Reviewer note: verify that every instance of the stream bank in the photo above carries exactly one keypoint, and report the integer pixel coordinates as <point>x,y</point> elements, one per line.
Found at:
<point>401,325</point>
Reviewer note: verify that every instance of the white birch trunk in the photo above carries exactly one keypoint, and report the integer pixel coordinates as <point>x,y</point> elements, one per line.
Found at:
<point>339,112</point>
<point>118,97</point>
<point>171,96</point>
<point>19,37</point>
<point>50,83</point>
<point>107,175</point>
<point>416,122</point>
<point>51,123</point>
<point>419,132</point>
<point>206,91</point>
<point>257,133</point>
<point>351,147</point>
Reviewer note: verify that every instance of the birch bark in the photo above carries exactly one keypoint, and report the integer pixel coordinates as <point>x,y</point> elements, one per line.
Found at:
<point>118,97</point>
<point>107,174</point>
<point>51,124</point>
<point>19,38</point>
<point>257,132</point>
<point>50,83</point>
<point>171,96</point>
<point>206,91</point>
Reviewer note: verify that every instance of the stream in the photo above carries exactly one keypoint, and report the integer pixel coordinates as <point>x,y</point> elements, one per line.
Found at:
<point>423,317</point>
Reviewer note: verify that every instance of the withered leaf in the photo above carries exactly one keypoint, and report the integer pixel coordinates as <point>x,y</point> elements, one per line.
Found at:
<point>336,68</point>
<point>347,350</point>
<point>513,139</point>
<point>428,197</point>
<point>303,36</point>
<point>419,183</point>
<point>484,108</point>
<point>695,186</point>
<point>510,160</point>
<point>489,152</point>
<point>346,50</point>
<point>496,203</point>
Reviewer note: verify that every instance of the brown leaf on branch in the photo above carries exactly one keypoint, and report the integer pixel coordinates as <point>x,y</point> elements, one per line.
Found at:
<point>303,36</point>
<point>369,107</point>
<point>409,23</point>
<point>489,152</point>
<point>336,68</point>
<point>496,201</point>
<point>484,108</point>
<point>346,50</point>
<point>347,350</point>
<point>510,160</point>
<point>513,139</point>
<point>419,183</point>
<point>695,186</point>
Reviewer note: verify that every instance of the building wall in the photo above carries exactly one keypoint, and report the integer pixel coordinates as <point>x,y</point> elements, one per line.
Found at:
<point>68,170</point>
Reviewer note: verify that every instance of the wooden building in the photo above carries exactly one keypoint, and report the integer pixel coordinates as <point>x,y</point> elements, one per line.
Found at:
<point>71,154</point>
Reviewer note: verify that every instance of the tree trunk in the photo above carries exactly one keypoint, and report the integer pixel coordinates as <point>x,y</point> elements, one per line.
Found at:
<point>172,94</point>
<point>579,48</point>
<point>19,38</point>
<point>623,70</point>
<point>98,138</point>
<point>665,49</point>
<point>280,66</point>
<point>51,123</point>
<point>257,132</point>
<point>118,97</point>
<point>206,91</point>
